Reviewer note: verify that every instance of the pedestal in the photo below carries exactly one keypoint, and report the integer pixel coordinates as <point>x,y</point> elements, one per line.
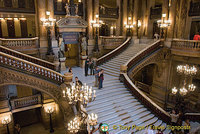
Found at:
<point>68,78</point>
<point>62,64</point>
<point>57,64</point>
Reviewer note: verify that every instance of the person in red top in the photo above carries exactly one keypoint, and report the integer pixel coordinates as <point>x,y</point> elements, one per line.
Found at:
<point>196,36</point>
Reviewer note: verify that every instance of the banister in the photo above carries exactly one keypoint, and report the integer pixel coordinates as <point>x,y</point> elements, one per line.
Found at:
<point>27,57</point>
<point>153,106</point>
<point>114,52</point>
<point>142,53</point>
<point>17,63</point>
<point>22,39</point>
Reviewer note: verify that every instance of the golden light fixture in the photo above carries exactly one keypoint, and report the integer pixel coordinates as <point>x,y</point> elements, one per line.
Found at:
<point>163,23</point>
<point>74,125</point>
<point>92,119</point>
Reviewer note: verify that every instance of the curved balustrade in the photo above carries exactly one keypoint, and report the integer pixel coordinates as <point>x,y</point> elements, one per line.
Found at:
<point>30,68</point>
<point>186,47</point>
<point>27,57</point>
<point>144,53</point>
<point>114,52</point>
<point>137,92</point>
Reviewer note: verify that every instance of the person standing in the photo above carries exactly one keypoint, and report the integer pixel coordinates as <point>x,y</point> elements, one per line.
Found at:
<point>96,73</point>
<point>101,78</point>
<point>196,36</point>
<point>86,66</point>
<point>70,70</point>
<point>187,125</point>
<point>17,129</point>
<point>78,82</point>
<point>174,118</point>
<point>92,67</point>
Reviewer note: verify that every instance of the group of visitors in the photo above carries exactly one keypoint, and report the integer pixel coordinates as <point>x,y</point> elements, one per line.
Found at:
<point>89,64</point>
<point>176,120</point>
<point>98,73</point>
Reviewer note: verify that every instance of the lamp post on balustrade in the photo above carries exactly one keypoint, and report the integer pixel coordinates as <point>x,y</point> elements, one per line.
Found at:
<point>163,24</point>
<point>50,110</point>
<point>96,24</point>
<point>48,23</point>
<point>5,121</point>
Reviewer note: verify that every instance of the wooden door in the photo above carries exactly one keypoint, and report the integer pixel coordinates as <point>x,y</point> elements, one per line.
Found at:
<point>24,32</point>
<point>72,55</point>
<point>11,28</point>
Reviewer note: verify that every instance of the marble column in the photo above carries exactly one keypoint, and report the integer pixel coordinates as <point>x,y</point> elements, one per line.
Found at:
<point>41,8</point>
<point>118,22</point>
<point>149,23</point>
<point>135,17</point>
<point>125,17</point>
<point>89,18</point>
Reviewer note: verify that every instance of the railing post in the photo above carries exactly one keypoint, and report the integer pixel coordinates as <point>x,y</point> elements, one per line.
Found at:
<point>123,69</point>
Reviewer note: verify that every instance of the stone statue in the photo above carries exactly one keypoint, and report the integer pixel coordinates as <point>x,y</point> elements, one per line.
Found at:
<point>67,10</point>
<point>76,9</point>
<point>84,44</point>
<point>61,53</point>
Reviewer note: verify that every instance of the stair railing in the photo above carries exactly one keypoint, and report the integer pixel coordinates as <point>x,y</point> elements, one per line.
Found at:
<point>114,52</point>
<point>157,110</point>
<point>27,57</point>
<point>30,68</point>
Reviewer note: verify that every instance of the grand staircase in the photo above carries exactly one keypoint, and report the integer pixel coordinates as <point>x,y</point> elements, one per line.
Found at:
<point>115,105</point>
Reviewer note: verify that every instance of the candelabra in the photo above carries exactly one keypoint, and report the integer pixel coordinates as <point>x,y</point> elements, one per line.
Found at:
<point>5,121</point>
<point>92,119</point>
<point>50,110</point>
<point>48,23</point>
<point>83,94</point>
<point>96,24</point>
<point>128,26</point>
<point>74,125</point>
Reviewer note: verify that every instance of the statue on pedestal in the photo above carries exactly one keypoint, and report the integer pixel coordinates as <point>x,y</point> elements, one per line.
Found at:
<point>76,9</point>
<point>67,10</point>
<point>84,46</point>
<point>61,53</point>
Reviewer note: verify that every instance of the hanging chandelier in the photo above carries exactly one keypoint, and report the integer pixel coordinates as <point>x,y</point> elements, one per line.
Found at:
<point>74,125</point>
<point>83,94</point>
<point>92,119</point>
<point>186,69</point>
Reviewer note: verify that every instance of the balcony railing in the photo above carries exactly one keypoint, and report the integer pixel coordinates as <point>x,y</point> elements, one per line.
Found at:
<point>155,12</point>
<point>186,47</point>
<point>108,12</point>
<point>26,45</point>
<point>25,101</point>
<point>112,42</point>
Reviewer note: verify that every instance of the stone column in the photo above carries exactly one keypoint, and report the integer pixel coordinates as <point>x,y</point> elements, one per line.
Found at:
<point>118,22</point>
<point>135,17</point>
<point>41,8</point>
<point>149,23</point>
<point>17,28</point>
<point>125,17</point>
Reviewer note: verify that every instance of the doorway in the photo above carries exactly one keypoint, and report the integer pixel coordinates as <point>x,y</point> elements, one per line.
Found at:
<point>72,55</point>
<point>11,28</point>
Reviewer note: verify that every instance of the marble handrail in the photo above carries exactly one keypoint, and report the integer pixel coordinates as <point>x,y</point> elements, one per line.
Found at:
<point>145,100</point>
<point>113,52</point>
<point>186,44</point>
<point>137,92</point>
<point>193,116</point>
<point>26,101</point>
<point>111,42</point>
<point>27,57</point>
<point>30,68</point>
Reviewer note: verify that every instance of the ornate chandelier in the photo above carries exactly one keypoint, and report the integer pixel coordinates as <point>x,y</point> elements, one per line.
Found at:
<point>92,119</point>
<point>83,94</point>
<point>74,125</point>
<point>186,69</point>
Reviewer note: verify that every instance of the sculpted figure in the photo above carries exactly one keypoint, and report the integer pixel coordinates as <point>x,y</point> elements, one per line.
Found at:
<point>67,10</point>
<point>84,44</point>
<point>62,48</point>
